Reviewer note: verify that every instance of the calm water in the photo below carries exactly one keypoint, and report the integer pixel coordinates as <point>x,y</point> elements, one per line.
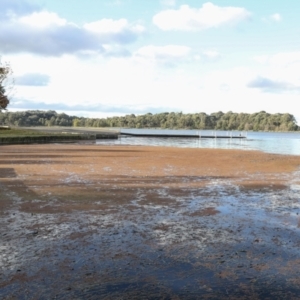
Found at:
<point>279,142</point>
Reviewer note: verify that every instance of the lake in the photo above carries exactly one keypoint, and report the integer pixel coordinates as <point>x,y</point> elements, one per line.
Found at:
<point>271,142</point>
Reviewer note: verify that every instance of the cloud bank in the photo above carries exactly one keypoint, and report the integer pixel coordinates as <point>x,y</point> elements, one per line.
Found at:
<point>19,104</point>
<point>196,19</point>
<point>275,86</point>
<point>168,55</point>
<point>25,29</point>
<point>10,8</point>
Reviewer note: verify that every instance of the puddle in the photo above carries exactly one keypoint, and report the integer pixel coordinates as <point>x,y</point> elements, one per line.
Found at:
<point>295,187</point>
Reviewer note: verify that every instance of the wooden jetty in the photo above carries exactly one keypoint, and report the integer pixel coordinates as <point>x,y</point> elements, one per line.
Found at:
<point>201,136</point>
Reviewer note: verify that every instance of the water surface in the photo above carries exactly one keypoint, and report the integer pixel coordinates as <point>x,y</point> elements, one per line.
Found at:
<point>270,142</point>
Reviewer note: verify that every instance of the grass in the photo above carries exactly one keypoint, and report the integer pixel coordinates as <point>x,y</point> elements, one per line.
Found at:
<point>27,136</point>
<point>19,132</point>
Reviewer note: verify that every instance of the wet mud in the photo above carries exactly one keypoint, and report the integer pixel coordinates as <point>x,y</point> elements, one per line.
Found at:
<point>120,222</point>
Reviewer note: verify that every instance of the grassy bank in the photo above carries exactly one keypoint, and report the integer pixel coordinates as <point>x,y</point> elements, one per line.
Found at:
<point>27,136</point>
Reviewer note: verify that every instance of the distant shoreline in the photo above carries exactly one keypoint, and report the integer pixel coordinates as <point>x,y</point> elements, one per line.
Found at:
<point>167,120</point>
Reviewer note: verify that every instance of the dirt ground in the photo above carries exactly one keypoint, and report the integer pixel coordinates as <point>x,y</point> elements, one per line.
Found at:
<point>83,221</point>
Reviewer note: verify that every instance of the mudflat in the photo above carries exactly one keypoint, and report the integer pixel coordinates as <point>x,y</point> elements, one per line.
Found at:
<point>83,221</point>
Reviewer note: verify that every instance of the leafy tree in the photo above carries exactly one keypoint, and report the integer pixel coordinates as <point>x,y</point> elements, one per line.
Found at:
<point>5,72</point>
<point>76,122</point>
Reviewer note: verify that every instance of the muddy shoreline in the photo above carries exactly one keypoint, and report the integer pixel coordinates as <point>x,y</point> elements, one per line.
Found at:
<point>123,222</point>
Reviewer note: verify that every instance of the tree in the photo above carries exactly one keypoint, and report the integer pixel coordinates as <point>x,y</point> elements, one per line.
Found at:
<point>5,72</point>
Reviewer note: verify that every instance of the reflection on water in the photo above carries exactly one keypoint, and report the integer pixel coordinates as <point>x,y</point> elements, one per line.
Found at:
<point>271,142</point>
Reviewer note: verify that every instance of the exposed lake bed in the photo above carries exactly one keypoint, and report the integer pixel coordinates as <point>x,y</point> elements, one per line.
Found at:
<point>84,221</point>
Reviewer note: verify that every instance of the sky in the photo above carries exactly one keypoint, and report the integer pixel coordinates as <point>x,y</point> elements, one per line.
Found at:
<point>101,58</point>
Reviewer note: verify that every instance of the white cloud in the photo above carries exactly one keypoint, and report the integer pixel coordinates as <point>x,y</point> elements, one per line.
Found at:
<point>196,19</point>
<point>9,8</point>
<point>109,26</point>
<point>276,17</point>
<point>45,33</point>
<point>285,58</point>
<point>229,90</point>
<point>16,37</point>
<point>114,84</point>
<point>272,18</point>
<point>282,60</point>
<point>278,73</point>
<point>170,54</point>
<point>94,67</point>
<point>138,85</point>
<point>211,55</point>
<point>41,20</point>
<point>115,31</point>
<point>273,85</point>
<point>261,59</point>
<point>84,109</point>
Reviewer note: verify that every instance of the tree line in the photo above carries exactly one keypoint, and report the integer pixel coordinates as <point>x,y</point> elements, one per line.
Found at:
<point>261,121</point>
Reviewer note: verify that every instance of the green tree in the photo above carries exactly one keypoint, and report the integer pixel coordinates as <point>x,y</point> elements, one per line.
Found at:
<point>76,122</point>
<point>5,72</point>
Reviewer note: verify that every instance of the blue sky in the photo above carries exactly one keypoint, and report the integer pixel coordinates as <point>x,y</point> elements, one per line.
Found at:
<point>101,58</point>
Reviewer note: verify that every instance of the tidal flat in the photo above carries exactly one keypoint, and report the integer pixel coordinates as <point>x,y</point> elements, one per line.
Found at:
<point>87,221</point>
